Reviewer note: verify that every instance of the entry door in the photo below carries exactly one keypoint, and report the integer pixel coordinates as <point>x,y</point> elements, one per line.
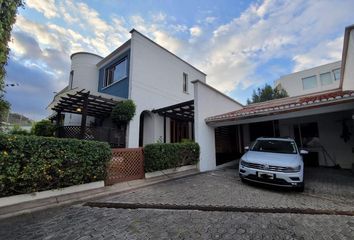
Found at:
<point>179,130</point>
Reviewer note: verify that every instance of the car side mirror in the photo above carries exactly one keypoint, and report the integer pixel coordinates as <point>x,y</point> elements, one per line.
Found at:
<point>247,148</point>
<point>302,151</point>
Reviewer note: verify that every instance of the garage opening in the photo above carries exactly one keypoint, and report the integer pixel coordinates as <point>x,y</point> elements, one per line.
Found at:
<point>228,143</point>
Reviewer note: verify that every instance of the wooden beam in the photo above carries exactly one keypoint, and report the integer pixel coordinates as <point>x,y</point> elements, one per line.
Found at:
<point>164,128</point>
<point>83,117</point>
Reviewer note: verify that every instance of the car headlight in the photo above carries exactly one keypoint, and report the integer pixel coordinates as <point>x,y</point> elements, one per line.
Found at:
<point>295,169</point>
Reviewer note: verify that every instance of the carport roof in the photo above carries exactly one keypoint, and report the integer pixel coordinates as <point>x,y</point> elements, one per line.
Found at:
<point>284,105</point>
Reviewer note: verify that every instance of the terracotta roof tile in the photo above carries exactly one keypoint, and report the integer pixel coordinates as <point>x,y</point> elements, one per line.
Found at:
<point>283,104</point>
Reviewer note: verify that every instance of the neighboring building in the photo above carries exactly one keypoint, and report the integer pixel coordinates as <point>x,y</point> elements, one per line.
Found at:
<point>317,79</point>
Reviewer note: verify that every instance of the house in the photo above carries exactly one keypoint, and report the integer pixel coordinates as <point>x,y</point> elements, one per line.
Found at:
<point>158,81</point>
<point>174,102</point>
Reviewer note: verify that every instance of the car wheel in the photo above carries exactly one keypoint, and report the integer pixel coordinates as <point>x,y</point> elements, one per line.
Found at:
<point>242,179</point>
<point>301,188</point>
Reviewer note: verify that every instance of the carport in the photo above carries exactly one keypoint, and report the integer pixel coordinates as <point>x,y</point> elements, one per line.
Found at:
<point>321,123</point>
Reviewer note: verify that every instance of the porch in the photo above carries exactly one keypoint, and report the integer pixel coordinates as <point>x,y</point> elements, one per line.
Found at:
<point>91,114</point>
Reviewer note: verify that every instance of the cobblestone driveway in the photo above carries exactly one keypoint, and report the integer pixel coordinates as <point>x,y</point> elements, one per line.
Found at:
<point>217,188</point>
<point>325,189</point>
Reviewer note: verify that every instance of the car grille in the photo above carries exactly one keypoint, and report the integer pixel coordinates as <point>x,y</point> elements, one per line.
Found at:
<point>268,168</point>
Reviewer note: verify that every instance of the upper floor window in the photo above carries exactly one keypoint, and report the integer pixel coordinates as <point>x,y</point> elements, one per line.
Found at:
<point>309,82</point>
<point>71,79</point>
<point>326,78</point>
<point>185,82</point>
<point>116,73</point>
<point>336,74</point>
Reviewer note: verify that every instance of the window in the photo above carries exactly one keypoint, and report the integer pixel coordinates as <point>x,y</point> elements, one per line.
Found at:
<point>185,82</point>
<point>116,73</point>
<point>275,146</point>
<point>326,78</point>
<point>309,82</point>
<point>336,73</point>
<point>71,79</point>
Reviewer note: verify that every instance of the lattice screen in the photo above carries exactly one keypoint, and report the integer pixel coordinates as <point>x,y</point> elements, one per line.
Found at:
<point>126,164</point>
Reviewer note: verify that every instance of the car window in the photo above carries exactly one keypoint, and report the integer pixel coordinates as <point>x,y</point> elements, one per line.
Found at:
<point>275,146</point>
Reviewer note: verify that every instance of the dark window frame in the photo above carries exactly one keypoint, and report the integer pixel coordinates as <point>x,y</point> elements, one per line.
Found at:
<point>108,79</point>
<point>185,83</point>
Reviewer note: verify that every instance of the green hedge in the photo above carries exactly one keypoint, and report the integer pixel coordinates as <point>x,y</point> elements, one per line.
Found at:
<point>31,163</point>
<point>160,156</point>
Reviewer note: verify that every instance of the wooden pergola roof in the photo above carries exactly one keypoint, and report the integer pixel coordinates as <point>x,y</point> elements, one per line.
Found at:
<point>84,102</point>
<point>181,111</point>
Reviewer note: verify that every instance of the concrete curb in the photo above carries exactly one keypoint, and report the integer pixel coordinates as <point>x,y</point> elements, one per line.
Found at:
<point>218,208</point>
<point>82,196</point>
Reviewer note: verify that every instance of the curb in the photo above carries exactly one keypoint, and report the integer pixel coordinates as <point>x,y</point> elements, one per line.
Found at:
<point>215,208</point>
<point>95,194</point>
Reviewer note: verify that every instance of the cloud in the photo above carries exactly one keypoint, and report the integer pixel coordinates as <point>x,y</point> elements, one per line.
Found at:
<point>35,89</point>
<point>47,7</point>
<point>159,17</point>
<point>307,33</point>
<point>273,29</point>
<point>325,52</point>
<point>210,19</point>
<point>195,31</point>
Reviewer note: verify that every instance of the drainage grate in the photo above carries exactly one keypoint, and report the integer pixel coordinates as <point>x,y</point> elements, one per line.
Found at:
<point>218,208</point>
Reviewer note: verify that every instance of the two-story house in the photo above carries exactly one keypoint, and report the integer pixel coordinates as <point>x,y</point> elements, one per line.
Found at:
<point>158,81</point>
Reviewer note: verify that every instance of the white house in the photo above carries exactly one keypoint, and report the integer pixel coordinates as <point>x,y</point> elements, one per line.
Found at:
<point>317,79</point>
<point>158,81</point>
<point>174,102</point>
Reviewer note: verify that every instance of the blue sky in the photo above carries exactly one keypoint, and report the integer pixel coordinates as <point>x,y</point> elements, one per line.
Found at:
<point>241,45</point>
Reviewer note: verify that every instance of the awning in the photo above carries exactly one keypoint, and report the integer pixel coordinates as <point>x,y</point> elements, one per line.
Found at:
<point>282,106</point>
<point>182,111</point>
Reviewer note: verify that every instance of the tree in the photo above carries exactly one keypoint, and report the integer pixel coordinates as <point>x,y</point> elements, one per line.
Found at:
<point>267,93</point>
<point>123,112</point>
<point>8,11</point>
<point>43,128</point>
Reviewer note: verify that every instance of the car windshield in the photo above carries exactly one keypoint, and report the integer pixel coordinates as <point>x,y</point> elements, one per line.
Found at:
<point>275,146</point>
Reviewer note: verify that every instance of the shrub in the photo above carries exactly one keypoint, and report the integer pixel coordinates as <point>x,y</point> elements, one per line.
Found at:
<point>160,156</point>
<point>30,163</point>
<point>17,130</point>
<point>43,128</point>
<point>123,112</point>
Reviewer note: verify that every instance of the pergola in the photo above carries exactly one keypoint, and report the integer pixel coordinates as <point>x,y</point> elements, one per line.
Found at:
<point>182,111</point>
<point>85,104</point>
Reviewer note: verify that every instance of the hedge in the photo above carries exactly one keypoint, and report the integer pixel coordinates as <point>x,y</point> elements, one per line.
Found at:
<point>31,163</point>
<point>160,156</point>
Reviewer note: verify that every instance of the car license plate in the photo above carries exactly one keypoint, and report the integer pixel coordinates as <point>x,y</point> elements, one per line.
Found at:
<point>265,175</point>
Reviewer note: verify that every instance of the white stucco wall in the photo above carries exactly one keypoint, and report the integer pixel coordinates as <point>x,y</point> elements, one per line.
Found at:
<point>329,137</point>
<point>292,83</point>
<point>348,78</point>
<point>208,102</point>
<point>156,81</point>
<point>85,71</point>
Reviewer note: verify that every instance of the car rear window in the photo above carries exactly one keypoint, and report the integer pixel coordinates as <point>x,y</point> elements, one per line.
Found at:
<point>275,146</point>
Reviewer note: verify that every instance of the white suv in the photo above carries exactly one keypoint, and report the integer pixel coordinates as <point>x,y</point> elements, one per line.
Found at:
<point>274,161</point>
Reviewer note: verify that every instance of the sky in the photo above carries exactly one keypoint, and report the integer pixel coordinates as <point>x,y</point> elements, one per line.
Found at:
<point>239,44</point>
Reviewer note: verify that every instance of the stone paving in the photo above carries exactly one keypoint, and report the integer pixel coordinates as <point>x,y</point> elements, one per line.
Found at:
<point>218,188</point>
<point>224,187</point>
<point>79,222</point>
